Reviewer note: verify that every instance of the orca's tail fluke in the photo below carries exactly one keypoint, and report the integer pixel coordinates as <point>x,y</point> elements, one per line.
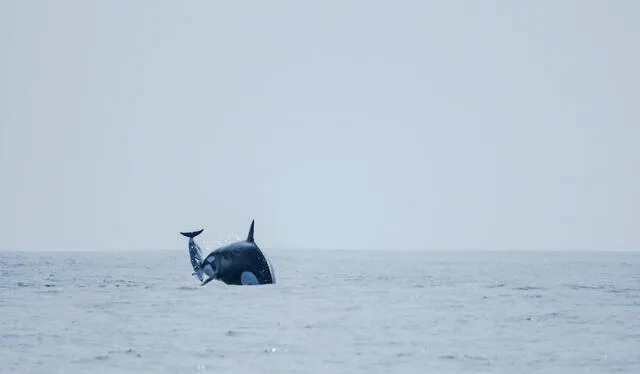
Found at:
<point>192,234</point>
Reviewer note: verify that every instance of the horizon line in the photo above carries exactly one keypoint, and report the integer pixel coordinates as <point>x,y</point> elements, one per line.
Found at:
<point>338,249</point>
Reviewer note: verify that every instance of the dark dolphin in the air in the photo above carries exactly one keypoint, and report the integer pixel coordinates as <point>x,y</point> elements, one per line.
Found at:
<point>239,263</point>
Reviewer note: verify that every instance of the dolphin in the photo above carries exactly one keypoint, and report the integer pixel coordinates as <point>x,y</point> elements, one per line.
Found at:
<point>238,263</point>
<point>195,253</point>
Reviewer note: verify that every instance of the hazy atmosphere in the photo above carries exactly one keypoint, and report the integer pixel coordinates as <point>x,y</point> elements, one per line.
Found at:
<point>335,125</point>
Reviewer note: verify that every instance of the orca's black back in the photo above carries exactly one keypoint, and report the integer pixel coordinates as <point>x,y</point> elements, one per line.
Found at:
<point>245,259</point>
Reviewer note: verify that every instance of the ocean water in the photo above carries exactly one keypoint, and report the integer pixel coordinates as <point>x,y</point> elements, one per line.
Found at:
<point>330,312</point>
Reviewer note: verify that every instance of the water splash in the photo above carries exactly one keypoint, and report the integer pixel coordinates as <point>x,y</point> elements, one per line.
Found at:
<point>210,245</point>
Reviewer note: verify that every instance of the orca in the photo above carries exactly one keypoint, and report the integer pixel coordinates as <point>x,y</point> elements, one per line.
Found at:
<point>238,263</point>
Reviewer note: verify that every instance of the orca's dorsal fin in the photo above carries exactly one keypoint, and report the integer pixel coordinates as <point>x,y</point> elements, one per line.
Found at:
<point>250,236</point>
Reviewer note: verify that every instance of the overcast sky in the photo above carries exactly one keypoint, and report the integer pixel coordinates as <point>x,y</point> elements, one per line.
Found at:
<point>333,124</point>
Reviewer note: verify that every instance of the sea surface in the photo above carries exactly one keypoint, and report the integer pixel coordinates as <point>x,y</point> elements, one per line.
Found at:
<point>330,312</point>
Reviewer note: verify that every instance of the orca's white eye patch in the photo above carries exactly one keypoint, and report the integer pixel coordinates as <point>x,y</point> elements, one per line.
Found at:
<point>248,278</point>
<point>208,270</point>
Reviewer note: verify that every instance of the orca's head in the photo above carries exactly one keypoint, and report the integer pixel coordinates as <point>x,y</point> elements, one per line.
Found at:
<point>218,262</point>
<point>210,266</point>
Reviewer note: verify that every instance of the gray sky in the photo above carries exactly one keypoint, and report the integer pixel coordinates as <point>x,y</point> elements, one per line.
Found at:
<point>335,124</point>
